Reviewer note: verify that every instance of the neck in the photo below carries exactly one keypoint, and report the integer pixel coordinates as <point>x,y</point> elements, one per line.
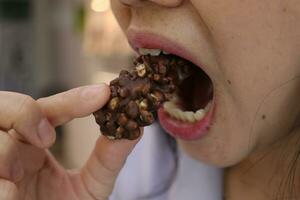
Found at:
<point>273,173</point>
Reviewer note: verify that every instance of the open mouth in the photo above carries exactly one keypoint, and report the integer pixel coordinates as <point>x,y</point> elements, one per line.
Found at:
<point>188,114</point>
<point>193,98</point>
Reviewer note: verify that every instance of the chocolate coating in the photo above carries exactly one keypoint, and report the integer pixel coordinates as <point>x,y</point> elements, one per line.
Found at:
<point>137,95</point>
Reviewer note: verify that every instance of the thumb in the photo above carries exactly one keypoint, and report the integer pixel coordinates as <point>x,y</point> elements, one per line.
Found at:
<point>102,168</point>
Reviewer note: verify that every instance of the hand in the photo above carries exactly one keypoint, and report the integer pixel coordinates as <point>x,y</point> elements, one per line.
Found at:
<point>29,172</point>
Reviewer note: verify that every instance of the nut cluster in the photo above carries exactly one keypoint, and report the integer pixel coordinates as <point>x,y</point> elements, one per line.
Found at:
<point>136,95</point>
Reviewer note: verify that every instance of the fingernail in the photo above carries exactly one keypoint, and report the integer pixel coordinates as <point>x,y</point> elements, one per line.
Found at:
<point>17,171</point>
<point>46,133</point>
<point>92,91</point>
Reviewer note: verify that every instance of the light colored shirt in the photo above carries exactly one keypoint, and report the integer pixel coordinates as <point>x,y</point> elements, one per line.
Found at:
<point>151,168</point>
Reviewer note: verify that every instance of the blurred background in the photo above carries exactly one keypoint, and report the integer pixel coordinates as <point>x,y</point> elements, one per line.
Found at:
<point>49,46</point>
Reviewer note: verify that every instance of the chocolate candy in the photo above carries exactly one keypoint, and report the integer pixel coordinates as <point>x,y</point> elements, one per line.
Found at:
<point>137,95</point>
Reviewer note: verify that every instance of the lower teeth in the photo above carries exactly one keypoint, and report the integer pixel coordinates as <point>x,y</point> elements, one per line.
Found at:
<point>186,116</point>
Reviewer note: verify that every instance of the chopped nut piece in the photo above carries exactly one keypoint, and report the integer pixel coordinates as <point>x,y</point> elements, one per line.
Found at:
<point>134,134</point>
<point>122,120</point>
<point>111,137</point>
<point>113,91</point>
<point>157,77</point>
<point>123,92</point>
<point>147,117</point>
<point>143,104</point>
<point>146,89</point>
<point>119,132</point>
<point>141,70</point>
<point>162,69</point>
<point>131,125</point>
<point>114,103</point>
<point>157,96</point>
<point>132,110</point>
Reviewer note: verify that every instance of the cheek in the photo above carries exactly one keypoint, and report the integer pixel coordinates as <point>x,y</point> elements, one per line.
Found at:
<point>222,151</point>
<point>122,13</point>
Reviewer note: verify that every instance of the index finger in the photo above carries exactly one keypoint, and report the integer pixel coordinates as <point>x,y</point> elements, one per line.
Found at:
<point>21,113</point>
<point>74,103</point>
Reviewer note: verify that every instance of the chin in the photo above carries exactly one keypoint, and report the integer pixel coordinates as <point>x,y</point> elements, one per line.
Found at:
<point>217,151</point>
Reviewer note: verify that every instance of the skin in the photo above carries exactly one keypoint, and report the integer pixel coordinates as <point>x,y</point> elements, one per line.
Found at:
<point>29,172</point>
<point>251,51</point>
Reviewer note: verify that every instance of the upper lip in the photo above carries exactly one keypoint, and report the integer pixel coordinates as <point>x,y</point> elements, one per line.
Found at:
<point>140,39</point>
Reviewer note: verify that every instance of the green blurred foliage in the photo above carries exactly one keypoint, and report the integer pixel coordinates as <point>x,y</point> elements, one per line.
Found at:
<point>80,16</point>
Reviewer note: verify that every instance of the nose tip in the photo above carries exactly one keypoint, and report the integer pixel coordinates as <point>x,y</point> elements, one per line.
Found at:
<point>167,3</point>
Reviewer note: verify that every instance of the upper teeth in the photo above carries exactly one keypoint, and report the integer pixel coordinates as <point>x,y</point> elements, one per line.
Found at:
<point>152,52</point>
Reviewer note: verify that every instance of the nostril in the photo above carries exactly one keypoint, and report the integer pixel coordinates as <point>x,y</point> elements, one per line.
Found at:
<point>139,3</point>
<point>133,3</point>
<point>168,3</point>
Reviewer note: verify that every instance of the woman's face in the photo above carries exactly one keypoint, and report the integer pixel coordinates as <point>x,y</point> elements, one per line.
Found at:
<point>251,52</point>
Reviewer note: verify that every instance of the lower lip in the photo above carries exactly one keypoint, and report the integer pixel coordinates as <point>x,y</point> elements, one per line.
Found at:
<point>184,130</point>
